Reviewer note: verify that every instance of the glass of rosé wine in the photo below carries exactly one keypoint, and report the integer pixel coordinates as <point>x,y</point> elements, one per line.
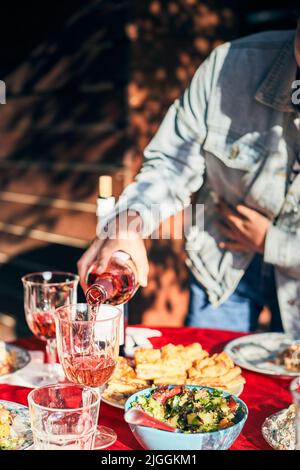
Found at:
<point>44,292</point>
<point>88,349</point>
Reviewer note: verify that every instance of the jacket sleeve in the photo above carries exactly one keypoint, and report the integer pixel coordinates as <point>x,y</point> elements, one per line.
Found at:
<point>173,165</point>
<point>282,249</point>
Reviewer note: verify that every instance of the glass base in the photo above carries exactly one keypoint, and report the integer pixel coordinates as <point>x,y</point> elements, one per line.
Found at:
<point>105,437</point>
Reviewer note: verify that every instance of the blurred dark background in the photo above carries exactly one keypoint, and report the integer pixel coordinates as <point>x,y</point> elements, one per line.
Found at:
<point>88,82</point>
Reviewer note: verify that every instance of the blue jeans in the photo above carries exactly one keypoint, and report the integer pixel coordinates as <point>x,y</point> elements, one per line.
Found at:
<point>241,310</point>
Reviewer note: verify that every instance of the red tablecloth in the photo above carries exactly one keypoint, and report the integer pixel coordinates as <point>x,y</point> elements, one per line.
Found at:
<point>263,394</point>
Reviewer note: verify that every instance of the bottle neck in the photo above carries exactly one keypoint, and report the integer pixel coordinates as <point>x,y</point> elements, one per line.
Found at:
<point>96,295</point>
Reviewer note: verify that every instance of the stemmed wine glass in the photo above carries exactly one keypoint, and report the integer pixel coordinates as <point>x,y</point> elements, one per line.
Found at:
<point>88,348</point>
<point>44,292</point>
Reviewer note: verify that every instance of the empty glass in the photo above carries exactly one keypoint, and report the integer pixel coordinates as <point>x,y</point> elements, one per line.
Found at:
<point>43,293</point>
<point>88,348</point>
<point>295,389</point>
<point>64,417</point>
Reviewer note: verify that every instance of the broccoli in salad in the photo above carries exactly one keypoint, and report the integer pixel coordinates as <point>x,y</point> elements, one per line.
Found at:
<point>191,410</point>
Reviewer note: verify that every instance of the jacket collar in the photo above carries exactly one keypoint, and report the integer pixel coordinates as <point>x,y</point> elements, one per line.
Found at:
<point>276,88</point>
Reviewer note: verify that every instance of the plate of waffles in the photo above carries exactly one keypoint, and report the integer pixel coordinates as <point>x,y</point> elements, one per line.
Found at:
<point>172,365</point>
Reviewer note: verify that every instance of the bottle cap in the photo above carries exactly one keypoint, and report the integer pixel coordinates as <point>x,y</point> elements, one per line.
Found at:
<point>105,186</point>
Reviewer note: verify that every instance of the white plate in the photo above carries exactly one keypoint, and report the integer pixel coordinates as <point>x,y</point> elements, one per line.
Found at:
<point>115,404</point>
<point>237,392</point>
<point>22,358</point>
<point>21,423</point>
<point>257,353</point>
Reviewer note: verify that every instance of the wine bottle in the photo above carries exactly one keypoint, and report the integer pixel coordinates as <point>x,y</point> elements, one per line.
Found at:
<point>116,284</point>
<point>105,206</point>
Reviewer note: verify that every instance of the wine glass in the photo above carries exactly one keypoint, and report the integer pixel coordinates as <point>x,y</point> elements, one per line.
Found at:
<point>63,417</point>
<point>43,293</point>
<point>88,348</point>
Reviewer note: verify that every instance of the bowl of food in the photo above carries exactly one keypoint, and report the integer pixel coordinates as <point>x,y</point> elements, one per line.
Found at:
<point>205,418</point>
<point>15,429</point>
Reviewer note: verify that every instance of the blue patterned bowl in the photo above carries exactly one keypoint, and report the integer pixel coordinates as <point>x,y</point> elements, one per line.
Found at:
<point>155,439</point>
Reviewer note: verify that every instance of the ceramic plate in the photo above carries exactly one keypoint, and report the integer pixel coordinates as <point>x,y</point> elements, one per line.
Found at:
<point>115,404</point>
<point>237,391</point>
<point>21,360</point>
<point>20,429</point>
<point>258,352</point>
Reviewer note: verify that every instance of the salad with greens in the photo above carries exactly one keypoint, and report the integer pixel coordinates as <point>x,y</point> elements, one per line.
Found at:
<point>190,410</point>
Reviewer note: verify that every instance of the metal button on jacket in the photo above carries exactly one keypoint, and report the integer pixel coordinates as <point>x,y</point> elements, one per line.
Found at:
<point>235,150</point>
<point>291,204</point>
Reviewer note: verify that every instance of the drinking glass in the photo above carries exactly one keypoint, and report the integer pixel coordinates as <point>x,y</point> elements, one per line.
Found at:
<point>43,293</point>
<point>88,348</point>
<point>295,390</point>
<point>63,417</point>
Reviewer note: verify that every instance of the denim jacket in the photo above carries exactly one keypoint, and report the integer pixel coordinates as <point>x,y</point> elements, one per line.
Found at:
<point>234,133</point>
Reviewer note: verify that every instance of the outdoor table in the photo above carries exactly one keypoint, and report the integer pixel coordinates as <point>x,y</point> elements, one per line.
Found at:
<point>263,394</point>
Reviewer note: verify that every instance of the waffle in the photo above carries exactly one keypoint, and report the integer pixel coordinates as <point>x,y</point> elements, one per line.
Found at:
<point>172,365</point>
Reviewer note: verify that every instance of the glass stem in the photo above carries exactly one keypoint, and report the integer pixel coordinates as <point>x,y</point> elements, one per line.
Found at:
<point>51,355</point>
<point>100,391</point>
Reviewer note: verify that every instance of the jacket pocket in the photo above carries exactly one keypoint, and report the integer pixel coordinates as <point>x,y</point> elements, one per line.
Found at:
<point>241,153</point>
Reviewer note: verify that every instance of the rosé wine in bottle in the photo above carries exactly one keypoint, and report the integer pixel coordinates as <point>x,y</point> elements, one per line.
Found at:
<point>116,285</point>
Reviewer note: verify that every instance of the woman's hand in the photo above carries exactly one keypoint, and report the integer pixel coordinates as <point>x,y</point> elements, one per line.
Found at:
<point>245,229</point>
<point>126,238</point>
